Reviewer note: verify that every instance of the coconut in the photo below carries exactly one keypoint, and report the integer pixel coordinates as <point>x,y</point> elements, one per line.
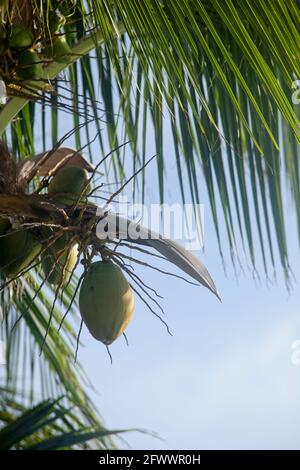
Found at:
<point>28,65</point>
<point>58,265</point>
<point>18,250</point>
<point>20,37</point>
<point>69,184</point>
<point>59,260</point>
<point>58,49</point>
<point>106,301</point>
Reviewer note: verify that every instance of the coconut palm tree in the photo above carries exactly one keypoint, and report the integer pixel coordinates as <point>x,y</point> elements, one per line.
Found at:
<point>222,74</point>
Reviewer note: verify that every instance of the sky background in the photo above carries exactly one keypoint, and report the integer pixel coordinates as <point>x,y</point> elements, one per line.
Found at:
<point>225,378</point>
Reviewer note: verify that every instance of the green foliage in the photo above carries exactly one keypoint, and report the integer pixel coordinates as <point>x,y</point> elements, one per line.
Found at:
<point>220,73</point>
<point>18,249</point>
<point>49,425</point>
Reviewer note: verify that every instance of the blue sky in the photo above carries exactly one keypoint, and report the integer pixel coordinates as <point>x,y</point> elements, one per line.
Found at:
<point>225,378</point>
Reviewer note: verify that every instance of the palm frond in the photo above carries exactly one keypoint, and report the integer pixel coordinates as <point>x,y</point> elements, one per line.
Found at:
<point>221,72</point>
<point>219,75</point>
<point>48,425</point>
<point>25,323</point>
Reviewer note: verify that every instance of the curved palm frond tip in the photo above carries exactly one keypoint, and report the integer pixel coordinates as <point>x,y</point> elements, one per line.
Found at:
<point>169,249</point>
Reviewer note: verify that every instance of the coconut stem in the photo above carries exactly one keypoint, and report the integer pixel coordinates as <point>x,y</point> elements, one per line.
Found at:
<point>30,206</point>
<point>50,71</point>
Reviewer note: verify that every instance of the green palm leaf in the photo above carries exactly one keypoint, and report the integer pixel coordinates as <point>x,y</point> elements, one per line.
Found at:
<point>47,425</point>
<point>212,67</point>
<point>219,74</point>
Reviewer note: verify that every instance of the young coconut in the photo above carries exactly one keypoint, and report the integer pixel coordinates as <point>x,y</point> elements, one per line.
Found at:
<point>28,65</point>
<point>20,37</point>
<point>18,250</point>
<point>59,260</point>
<point>69,184</point>
<point>106,301</point>
<point>58,49</point>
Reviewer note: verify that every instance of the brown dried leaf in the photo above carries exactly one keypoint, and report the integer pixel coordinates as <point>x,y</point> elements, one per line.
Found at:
<point>48,163</point>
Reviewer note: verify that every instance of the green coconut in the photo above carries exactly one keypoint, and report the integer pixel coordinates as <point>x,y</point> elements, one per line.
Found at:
<point>69,184</point>
<point>106,301</point>
<point>28,65</point>
<point>20,37</point>
<point>18,250</point>
<point>58,265</point>
<point>59,260</point>
<point>58,49</point>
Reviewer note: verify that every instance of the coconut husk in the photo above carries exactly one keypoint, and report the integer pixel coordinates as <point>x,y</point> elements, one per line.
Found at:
<point>49,162</point>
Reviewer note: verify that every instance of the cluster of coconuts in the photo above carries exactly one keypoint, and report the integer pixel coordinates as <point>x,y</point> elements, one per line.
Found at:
<point>20,247</point>
<point>23,53</point>
<point>69,186</point>
<point>106,300</point>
